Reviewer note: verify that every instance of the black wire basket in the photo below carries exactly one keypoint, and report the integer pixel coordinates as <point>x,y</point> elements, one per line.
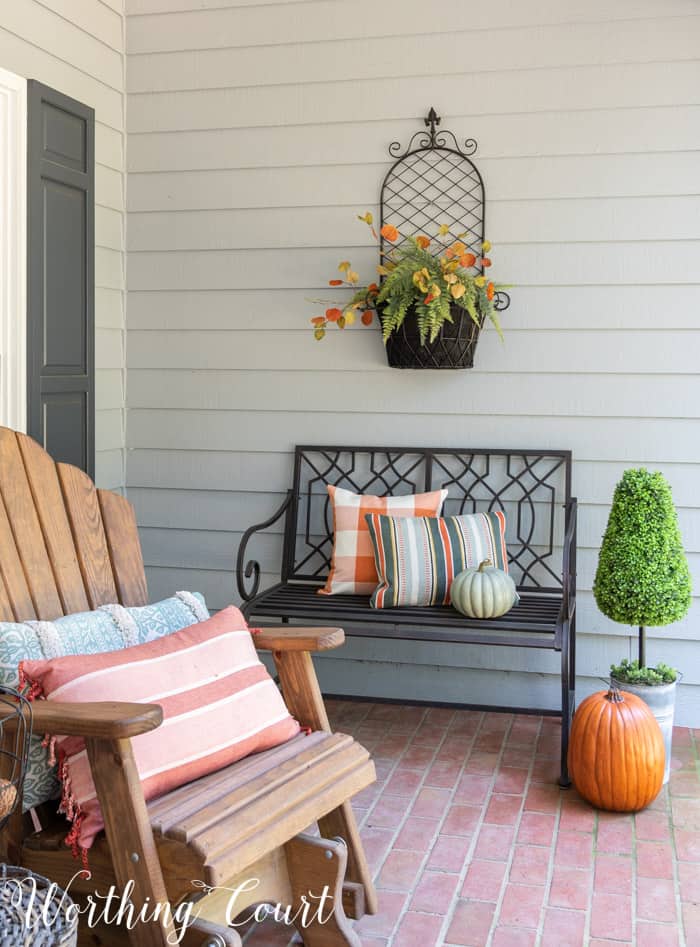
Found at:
<point>34,912</point>
<point>15,733</point>
<point>453,348</point>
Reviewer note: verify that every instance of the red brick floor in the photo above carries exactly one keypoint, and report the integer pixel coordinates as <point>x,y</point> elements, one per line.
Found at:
<point>473,844</point>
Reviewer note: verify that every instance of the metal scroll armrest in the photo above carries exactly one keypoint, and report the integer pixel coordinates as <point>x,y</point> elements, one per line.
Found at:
<point>569,560</point>
<point>252,566</point>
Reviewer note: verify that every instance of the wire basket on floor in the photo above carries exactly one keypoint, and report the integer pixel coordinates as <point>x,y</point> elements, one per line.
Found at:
<point>34,912</point>
<point>15,733</point>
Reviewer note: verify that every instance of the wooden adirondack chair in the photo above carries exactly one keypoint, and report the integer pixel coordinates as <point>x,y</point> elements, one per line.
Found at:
<point>67,547</point>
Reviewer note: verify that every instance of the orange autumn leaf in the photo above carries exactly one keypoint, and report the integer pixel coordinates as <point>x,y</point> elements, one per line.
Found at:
<point>486,261</point>
<point>318,320</point>
<point>372,288</point>
<point>390,233</point>
<point>467,259</point>
<point>423,242</point>
<point>333,315</point>
<point>335,282</point>
<point>428,299</point>
<point>367,317</point>
<point>490,291</point>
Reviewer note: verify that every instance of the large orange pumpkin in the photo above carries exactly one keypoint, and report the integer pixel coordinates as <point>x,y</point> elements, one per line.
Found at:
<point>616,752</point>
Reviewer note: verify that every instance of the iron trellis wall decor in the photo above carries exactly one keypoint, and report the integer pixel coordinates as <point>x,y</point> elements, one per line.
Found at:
<point>434,182</point>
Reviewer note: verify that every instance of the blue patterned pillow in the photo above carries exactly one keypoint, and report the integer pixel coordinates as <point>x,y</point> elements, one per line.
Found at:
<point>110,628</point>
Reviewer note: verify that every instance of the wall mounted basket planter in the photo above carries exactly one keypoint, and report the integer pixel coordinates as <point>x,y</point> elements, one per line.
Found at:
<point>433,182</point>
<point>453,348</point>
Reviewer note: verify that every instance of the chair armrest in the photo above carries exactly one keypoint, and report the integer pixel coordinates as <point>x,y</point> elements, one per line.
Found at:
<point>109,720</point>
<point>252,567</point>
<point>298,639</point>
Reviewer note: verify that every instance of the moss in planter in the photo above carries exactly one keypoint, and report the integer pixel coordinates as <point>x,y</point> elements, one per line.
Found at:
<point>629,672</point>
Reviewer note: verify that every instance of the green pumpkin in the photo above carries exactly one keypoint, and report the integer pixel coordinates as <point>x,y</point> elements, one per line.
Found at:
<point>485,592</point>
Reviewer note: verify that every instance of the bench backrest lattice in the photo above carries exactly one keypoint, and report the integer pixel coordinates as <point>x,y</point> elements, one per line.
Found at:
<point>531,487</point>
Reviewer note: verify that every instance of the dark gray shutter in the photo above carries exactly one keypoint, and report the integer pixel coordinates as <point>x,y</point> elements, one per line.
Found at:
<point>61,275</point>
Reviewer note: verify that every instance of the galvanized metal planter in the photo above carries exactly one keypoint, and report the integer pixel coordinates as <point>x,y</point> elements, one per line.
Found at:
<point>661,700</point>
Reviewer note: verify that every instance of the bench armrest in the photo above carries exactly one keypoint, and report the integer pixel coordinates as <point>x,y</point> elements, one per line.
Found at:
<point>252,566</point>
<point>109,720</point>
<point>298,639</point>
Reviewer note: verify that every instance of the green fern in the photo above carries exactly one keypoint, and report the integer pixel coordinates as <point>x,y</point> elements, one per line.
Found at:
<point>399,293</point>
<point>417,284</point>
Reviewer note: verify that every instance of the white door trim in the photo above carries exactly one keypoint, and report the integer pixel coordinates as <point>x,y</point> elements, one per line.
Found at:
<point>13,250</point>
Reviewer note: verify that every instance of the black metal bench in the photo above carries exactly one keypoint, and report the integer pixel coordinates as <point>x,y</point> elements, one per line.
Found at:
<point>533,488</point>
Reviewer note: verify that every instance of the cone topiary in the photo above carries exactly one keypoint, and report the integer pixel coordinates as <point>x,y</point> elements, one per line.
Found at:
<point>643,576</point>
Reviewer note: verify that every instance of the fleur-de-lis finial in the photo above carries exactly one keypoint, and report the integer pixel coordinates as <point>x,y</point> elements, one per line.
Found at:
<point>431,122</point>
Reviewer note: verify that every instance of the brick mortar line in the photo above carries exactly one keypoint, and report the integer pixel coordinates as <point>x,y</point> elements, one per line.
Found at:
<point>550,872</point>
<point>516,828</point>
<point>449,917</point>
<point>635,878</point>
<point>591,889</point>
<point>676,874</point>
<point>406,908</point>
<point>410,800</point>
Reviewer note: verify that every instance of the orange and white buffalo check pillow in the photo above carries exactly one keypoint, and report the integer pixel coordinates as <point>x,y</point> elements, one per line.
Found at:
<point>352,565</point>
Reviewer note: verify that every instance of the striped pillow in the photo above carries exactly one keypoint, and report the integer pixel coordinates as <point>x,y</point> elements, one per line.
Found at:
<point>417,559</point>
<point>219,705</point>
<point>353,571</point>
<point>108,628</point>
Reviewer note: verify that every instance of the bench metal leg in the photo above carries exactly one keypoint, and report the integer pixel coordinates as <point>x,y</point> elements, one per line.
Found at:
<point>568,679</point>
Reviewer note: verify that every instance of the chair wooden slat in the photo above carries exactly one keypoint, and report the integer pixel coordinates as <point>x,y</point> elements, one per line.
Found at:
<point>223,791</point>
<point>268,820</point>
<point>15,588</point>
<point>89,537</point>
<point>6,613</point>
<point>178,806</point>
<point>51,509</point>
<point>121,531</point>
<point>242,794</point>
<point>28,537</point>
<point>234,816</point>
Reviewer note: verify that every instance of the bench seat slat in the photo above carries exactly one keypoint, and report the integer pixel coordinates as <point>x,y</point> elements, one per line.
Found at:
<point>536,614</point>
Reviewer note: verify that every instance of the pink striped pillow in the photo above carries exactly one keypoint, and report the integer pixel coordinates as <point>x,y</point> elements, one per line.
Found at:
<point>219,705</point>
